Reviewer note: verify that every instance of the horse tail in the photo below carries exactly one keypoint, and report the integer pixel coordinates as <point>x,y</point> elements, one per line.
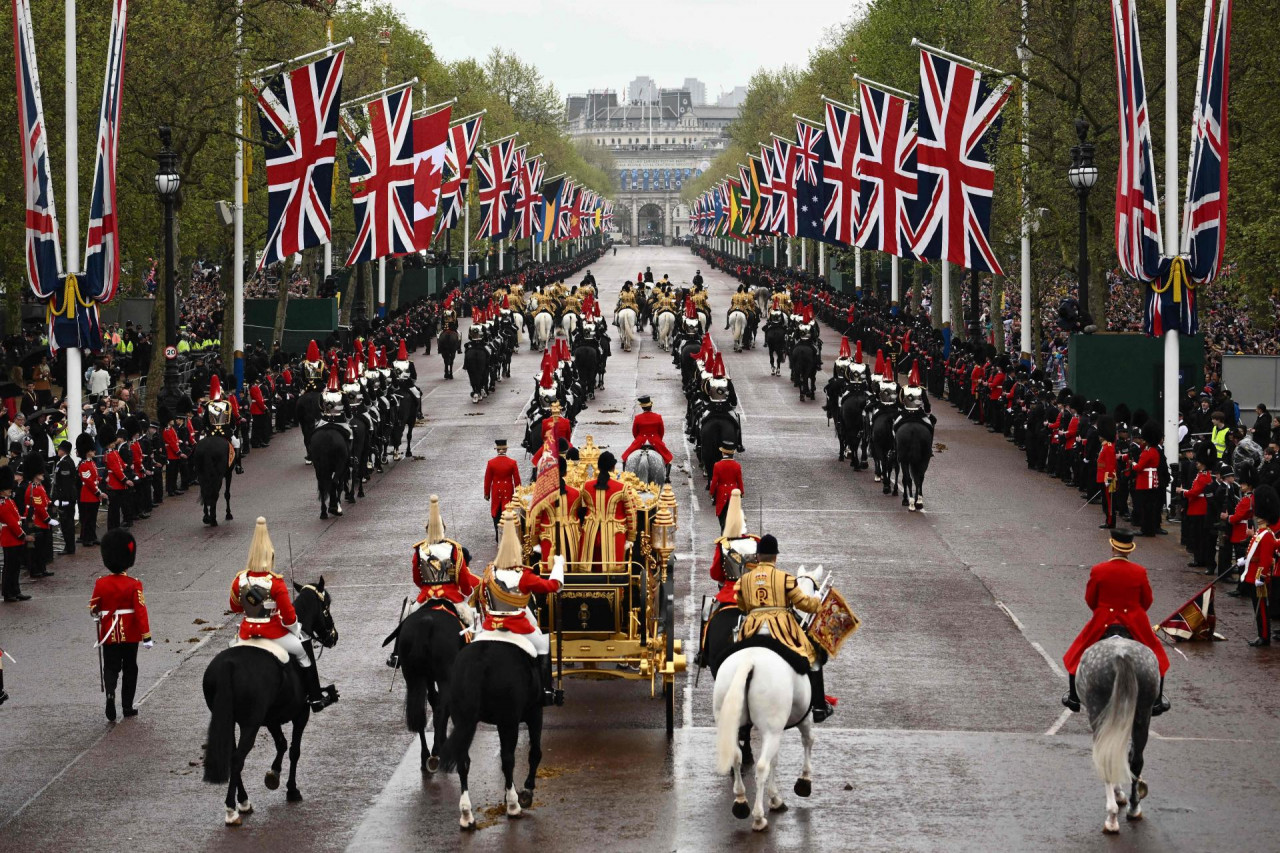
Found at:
<point>465,710</point>
<point>1115,726</point>
<point>222,728</point>
<point>730,718</point>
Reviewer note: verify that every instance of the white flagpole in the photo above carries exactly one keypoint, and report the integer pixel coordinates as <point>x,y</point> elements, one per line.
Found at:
<point>466,231</point>
<point>1025,260</point>
<point>1171,221</point>
<point>237,212</point>
<point>382,262</point>
<point>804,254</point>
<point>893,278</point>
<point>857,269</point>
<point>75,370</point>
<point>822,259</point>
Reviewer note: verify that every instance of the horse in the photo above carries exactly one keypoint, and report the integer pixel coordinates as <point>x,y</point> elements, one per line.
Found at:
<point>214,461</point>
<point>913,446</point>
<point>804,368</point>
<point>586,363</point>
<point>247,687</point>
<point>448,345</point>
<point>738,326</point>
<point>626,320</point>
<point>882,447</point>
<point>502,687</point>
<point>762,296</point>
<point>475,361</point>
<point>646,463</point>
<point>542,325</point>
<point>664,327</point>
<point>331,459</point>
<point>775,338</point>
<point>517,323</point>
<point>309,403</point>
<point>569,323</point>
<point>717,428</point>
<point>851,432</point>
<point>1118,680</point>
<point>428,643</point>
<point>358,456</point>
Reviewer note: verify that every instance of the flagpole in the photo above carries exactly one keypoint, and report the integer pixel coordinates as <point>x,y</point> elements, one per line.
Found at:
<point>1172,224</point>
<point>466,229</point>
<point>237,214</point>
<point>946,292</point>
<point>384,38</point>
<point>893,279</point>
<point>75,370</point>
<point>857,268</point>
<point>1025,247</point>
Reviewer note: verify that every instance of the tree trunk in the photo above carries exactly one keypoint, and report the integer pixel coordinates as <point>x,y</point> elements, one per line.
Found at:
<point>997,314</point>
<point>13,308</point>
<point>917,287</point>
<point>397,275</point>
<point>935,296</point>
<point>349,295</point>
<point>282,305</point>
<point>958,327</point>
<point>371,291</point>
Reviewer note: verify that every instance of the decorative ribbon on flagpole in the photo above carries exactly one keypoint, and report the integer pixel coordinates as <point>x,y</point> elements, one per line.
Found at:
<point>1178,278</point>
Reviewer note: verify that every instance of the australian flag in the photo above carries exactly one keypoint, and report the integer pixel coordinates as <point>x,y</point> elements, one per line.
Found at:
<point>813,193</point>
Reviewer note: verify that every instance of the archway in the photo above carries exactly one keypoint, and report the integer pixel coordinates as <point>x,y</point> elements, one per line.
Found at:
<point>622,219</point>
<point>651,221</point>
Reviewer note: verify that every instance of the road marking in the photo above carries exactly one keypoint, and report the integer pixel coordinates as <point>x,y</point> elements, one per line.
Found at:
<point>691,605</point>
<point>1059,723</point>
<point>1053,665</point>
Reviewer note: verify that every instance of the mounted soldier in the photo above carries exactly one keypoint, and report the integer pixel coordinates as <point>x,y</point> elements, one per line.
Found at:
<point>262,596</point>
<point>736,549</point>
<point>913,401</point>
<point>647,428</point>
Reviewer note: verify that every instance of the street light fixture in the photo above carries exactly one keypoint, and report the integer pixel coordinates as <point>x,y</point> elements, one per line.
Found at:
<point>167,184</point>
<point>1083,174</point>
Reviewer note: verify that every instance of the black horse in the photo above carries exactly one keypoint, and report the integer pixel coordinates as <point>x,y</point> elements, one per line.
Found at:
<point>586,363</point>
<point>882,447</point>
<point>850,429</point>
<point>475,361</point>
<point>360,456</point>
<point>717,429</point>
<point>775,338</point>
<point>214,461</point>
<point>804,368</point>
<point>502,687</point>
<point>913,445</point>
<point>249,688</point>
<point>427,645</point>
<point>331,457</point>
<point>449,344</point>
<point>309,404</point>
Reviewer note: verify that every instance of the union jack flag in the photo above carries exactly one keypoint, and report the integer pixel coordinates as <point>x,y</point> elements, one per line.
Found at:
<point>886,172</point>
<point>381,166</point>
<point>43,242</point>
<point>298,116</point>
<point>784,188</point>
<point>1139,241</point>
<point>463,138</point>
<point>529,200</point>
<point>959,114</point>
<point>840,171</point>
<point>1204,214</point>
<point>764,220</point>
<point>494,165</point>
<point>565,212</point>
<point>808,159</point>
<point>102,243</point>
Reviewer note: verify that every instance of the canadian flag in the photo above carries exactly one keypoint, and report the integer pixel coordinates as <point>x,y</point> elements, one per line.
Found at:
<point>430,137</point>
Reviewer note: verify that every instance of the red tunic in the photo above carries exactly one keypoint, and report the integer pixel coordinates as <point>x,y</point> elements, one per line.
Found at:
<point>996,388</point>
<point>563,429</point>
<point>728,593</point>
<point>456,592</point>
<point>172,450</point>
<point>1106,462</point>
<point>257,405</point>
<point>1073,427</point>
<point>519,622</point>
<point>113,596</point>
<point>501,477</point>
<point>725,477</point>
<point>1118,593</point>
<point>38,505</point>
<point>115,472</point>
<point>608,525</point>
<point>1240,519</point>
<point>1148,469</point>
<point>1196,503</point>
<point>648,426</point>
<point>11,534</point>
<point>88,481</point>
<point>139,466</point>
<point>268,628</point>
<point>1259,561</point>
<point>544,521</point>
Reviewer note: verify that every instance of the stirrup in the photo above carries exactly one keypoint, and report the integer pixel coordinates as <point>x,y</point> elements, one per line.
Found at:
<point>393,660</point>
<point>1071,702</point>
<point>1161,705</point>
<point>821,712</point>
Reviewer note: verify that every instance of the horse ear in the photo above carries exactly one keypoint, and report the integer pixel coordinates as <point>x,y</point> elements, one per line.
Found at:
<point>297,587</point>
<point>320,584</point>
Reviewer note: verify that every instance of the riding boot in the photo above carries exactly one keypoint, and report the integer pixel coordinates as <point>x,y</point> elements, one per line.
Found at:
<point>318,697</point>
<point>1072,700</point>
<point>3,696</point>
<point>818,697</point>
<point>550,695</point>
<point>495,528</point>
<point>1161,704</point>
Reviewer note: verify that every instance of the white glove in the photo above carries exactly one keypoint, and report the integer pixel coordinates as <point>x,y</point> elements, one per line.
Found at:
<point>53,522</point>
<point>1260,581</point>
<point>1240,562</point>
<point>146,644</point>
<point>557,569</point>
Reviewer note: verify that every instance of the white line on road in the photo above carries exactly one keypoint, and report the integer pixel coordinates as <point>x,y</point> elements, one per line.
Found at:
<point>1053,665</point>
<point>1059,723</point>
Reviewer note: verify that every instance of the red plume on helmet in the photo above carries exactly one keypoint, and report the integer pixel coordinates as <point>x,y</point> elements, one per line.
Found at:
<point>690,312</point>
<point>718,370</point>
<point>706,349</point>
<point>881,367</point>
<point>546,380</point>
<point>313,351</point>
<point>913,381</point>
<point>382,357</point>
<point>353,370</point>
<point>403,354</point>
<point>355,359</point>
<point>845,352</point>
<point>506,301</point>
<point>906,342</point>
<point>332,384</point>
<point>215,387</point>
<point>857,357</point>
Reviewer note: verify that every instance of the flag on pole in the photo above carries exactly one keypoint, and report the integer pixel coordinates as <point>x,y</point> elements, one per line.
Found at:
<point>102,241</point>
<point>463,138</point>
<point>298,118</point>
<point>382,182</point>
<point>549,209</point>
<point>529,200</point>
<point>959,115</point>
<point>430,141</point>
<point>564,210</point>
<point>886,172</point>
<point>813,194</point>
<point>1204,213</point>
<point>784,188</point>
<point>1139,241</point>
<point>494,166</point>
<point>840,171</point>
<point>764,219</point>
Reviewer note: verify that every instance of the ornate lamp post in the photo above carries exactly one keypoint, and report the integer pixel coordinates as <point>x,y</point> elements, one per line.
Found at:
<point>1083,174</point>
<point>167,184</point>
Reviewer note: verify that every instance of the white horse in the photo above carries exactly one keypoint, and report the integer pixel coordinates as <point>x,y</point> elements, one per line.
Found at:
<point>542,324</point>
<point>666,326</point>
<point>626,320</point>
<point>518,319</point>
<point>705,318</point>
<point>756,687</point>
<point>762,296</point>
<point>569,322</point>
<point>738,326</point>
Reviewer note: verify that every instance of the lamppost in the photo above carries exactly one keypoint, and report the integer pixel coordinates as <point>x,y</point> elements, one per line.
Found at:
<point>167,183</point>
<point>1083,174</point>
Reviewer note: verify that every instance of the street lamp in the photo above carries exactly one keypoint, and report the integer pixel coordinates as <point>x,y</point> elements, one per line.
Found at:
<point>167,184</point>
<point>1083,174</point>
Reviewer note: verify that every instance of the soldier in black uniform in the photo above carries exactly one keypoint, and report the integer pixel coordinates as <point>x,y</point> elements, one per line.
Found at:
<point>66,492</point>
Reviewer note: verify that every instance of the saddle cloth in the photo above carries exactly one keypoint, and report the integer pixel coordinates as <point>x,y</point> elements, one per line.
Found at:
<point>506,637</point>
<point>266,645</point>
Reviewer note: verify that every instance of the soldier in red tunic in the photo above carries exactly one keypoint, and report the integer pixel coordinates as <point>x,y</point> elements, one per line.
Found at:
<point>1258,564</point>
<point>726,476</point>
<point>118,483</point>
<point>36,500</point>
<point>1118,593</point>
<point>262,596</point>
<point>507,587</point>
<point>501,478</point>
<point>1106,470</point>
<point>120,610</point>
<point>90,493</point>
<point>648,428</point>
<point>13,539</point>
<point>734,549</point>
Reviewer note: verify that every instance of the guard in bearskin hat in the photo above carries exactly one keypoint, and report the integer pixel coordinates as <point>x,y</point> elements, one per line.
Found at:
<point>1258,564</point>
<point>120,609</point>
<point>13,539</point>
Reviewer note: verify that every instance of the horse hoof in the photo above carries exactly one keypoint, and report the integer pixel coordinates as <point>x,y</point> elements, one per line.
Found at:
<point>337,510</point>
<point>1134,814</point>
<point>741,810</point>
<point>433,763</point>
<point>525,798</point>
<point>232,818</point>
<point>213,522</point>
<point>803,788</point>
<point>467,826</point>
<point>1142,790</point>
<point>246,807</point>
<point>323,515</point>
<point>272,781</point>
<point>1112,826</point>
<point>229,517</point>
<point>760,824</point>
<point>514,812</point>
<point>294,795</point>
<point>779,808</point>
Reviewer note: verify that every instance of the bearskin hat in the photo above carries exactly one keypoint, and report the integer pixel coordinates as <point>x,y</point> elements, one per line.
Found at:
<point>1107,427</point>
<point>1151,432</point>
<point>119,550</point>
<point>1266,504</point>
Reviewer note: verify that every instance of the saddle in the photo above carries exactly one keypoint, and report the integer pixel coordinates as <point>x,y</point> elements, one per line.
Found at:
<point>507,637</point>
<point>796,661</point>
<point>444,605</point>
<point>1117,630</point>
<point>281,656</point>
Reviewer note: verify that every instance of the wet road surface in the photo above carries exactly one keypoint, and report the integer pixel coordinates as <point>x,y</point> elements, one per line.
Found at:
<point>948,736</point>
